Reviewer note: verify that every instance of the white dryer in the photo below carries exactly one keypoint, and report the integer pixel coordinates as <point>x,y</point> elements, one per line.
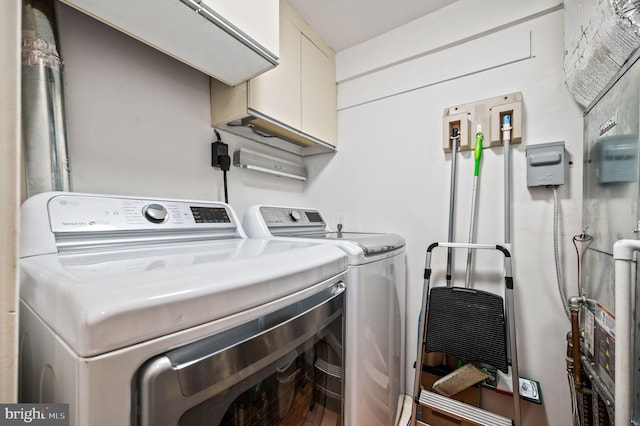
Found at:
<point>375,309</point>
<point>142,311</point>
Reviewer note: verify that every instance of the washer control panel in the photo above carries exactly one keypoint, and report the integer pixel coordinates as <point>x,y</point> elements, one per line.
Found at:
<point>287,216</point>
<point>87,213</point>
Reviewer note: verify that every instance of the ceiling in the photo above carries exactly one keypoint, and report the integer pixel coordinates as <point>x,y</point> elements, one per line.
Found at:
<point>345,23</point>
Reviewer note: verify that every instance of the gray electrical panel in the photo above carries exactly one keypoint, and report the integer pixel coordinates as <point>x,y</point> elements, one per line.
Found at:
<point>545,164</point>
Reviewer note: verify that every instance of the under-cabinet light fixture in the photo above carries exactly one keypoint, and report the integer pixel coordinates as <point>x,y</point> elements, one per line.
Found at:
<point>252,160</point>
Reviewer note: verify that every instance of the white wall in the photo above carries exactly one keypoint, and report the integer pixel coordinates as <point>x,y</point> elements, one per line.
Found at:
<point>138,123</point>
<point>391,173</point>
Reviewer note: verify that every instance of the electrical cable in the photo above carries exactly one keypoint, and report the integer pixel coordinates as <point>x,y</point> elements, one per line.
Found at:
<point>583,237</point>
<point>575,414</point>
<point>226,191</point>
<point>556,253</point>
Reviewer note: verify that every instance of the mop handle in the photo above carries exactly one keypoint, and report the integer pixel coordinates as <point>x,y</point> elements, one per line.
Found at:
<point>477,155</point>
<point>477,150</point>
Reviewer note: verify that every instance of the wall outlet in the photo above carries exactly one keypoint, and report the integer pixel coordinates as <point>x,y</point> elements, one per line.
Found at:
<point>530,390</point>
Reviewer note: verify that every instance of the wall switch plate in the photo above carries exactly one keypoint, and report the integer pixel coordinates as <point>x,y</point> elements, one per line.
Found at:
<point>545,164</point>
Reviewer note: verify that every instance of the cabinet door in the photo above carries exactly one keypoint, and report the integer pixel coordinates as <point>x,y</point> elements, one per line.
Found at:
<point>256,18</point>
<point>218,49</point>
<point>319,114</point>
<point>277,92</point>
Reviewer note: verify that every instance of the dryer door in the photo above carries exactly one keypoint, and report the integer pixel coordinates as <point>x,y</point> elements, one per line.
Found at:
<point>284,366</point>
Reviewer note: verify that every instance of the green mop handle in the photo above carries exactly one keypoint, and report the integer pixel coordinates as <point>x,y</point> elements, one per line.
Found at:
<point>477,151</point>
<point>477,155</point>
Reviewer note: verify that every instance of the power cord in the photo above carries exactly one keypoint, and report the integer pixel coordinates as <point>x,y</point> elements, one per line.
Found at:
<point>221,160</point>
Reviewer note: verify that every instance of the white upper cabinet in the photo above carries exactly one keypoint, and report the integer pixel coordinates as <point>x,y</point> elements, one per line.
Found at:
<point>292,107</point>
<point>319,93</point>
<point>231,41</point>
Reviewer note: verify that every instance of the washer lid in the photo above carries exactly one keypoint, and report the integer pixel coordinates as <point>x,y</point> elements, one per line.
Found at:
<point>371,243</point>
<point>101,301</point>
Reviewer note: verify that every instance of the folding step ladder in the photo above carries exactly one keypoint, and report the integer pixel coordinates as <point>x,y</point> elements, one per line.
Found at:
<point>489,338</point>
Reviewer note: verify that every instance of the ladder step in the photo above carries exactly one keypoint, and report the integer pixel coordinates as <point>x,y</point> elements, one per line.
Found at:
<point>460,410</point>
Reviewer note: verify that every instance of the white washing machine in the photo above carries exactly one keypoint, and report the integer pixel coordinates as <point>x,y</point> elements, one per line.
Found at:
<point>140,311</point>
<point>375,309</point>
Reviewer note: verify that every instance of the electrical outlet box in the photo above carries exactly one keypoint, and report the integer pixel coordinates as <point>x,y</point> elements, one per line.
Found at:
<point>510,105</point>
<point>545,164</point>
<point>218,149</point>
<point>530,390</point>
<point>488,114</point>
<point>458,121</point>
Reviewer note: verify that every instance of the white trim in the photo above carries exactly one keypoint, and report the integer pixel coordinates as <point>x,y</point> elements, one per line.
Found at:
<point>494,50</point>
<point>459,23</point>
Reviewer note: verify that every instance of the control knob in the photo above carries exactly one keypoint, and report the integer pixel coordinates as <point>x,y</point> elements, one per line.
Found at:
<point>155,213</point>
<point>295,215</point>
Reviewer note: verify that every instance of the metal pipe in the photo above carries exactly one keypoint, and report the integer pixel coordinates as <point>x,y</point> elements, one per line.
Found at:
<point>454,151</point>
<point>43,126</point>
<point>570,355</point>
<point>575,342</point>
<point>506,140</point>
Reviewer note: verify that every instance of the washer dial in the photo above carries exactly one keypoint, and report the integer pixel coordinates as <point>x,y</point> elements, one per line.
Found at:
<point>155,213</point>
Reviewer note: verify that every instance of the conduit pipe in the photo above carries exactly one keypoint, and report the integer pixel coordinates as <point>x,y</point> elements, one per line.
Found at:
<point>623,259</point>
<point>43,126</point>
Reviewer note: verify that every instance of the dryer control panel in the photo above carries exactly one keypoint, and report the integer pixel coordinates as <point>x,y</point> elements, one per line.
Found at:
<point>278,216</point>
